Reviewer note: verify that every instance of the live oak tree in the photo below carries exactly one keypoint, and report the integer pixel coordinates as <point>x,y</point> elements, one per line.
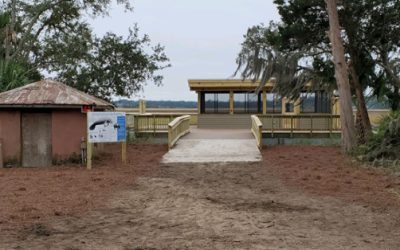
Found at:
<point>368,28</point>
<point>365,26</point>
<point>305,24</point>
<point>115,66</point>
<point>263,58</point>
<point>12,74</point>
<point>52,36</point>
<point>383,40</point>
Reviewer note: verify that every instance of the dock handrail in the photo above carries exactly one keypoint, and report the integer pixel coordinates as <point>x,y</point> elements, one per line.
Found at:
<point>153,123</point>
<point>256,128</point>
<point>309,123</point>
<point>178,128</point>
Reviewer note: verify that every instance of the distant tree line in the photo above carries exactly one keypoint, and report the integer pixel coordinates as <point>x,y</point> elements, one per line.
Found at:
<point>372,103</point>
<point>123,103</point>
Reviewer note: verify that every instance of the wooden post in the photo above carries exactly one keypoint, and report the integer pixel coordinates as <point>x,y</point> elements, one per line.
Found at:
<point>169,137</point>
<point>284,101</point>
<point>89,153</point>
<point>291,126</point>
<point>336,106</point>
<point>136,124</point>
<point>142,106</point>
<point>297,107</point>
<point>264,102</point>
<point>231,104</point>
<point>154,125</point>
<point>199,102</point>
<point>123,150</point>
<point>273,125</point>
<point>1,154</point>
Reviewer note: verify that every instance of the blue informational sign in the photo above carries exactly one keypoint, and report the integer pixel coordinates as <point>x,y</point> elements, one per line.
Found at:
<point>121,120</point>
<point>106,127</point>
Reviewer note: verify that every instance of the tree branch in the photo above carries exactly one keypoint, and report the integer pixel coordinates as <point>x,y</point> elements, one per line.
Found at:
<point>46,6</point>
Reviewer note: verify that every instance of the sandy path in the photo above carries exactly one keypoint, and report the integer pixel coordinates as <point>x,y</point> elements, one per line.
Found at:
<point>217,207</point>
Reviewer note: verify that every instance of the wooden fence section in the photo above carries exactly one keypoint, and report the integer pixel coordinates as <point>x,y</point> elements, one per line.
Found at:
<point>168,111</point>
<point>312,123</point>
<point>151,123</point>
<point>256,128</point>
<point>178,128</point>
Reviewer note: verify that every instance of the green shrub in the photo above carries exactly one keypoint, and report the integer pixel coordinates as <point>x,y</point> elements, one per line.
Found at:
<point>385,142</point>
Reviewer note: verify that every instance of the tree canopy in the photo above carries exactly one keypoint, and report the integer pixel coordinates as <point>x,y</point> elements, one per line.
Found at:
<point>296,50</point>
<point>53,37</point>
<point>370,34</point>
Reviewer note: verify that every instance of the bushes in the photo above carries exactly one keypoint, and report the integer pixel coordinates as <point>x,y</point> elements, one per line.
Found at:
<point>384,144</point>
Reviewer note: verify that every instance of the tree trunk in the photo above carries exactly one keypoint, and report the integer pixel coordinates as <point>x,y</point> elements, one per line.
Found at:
<point>361,104</point>
<point>396,99</point>
<point>9,31</point>
<point>342,79</point>
<point>7,44</point>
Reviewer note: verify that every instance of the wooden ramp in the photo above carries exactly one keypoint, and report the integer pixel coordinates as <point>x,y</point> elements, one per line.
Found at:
<point>214,147</point>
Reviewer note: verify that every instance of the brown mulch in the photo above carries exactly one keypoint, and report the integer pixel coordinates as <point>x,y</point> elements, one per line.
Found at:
<point>325,171</point>
<point>32,195</point>
<point>36,195</point>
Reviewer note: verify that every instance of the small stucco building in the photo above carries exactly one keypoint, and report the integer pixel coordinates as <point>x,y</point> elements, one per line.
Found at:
<point>44,122</point>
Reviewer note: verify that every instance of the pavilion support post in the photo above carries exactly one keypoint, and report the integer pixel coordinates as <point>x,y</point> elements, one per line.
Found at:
<point>297,107</point>
<point>335,110</point>
<point>335,106</point>
<point>284,102</point>
<point>231,96</point>
<point>199,102</point>
<point>264,102</point>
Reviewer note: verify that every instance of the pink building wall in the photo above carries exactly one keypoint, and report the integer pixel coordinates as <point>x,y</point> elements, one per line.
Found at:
<point>10,134</point>
<point>68,127</point>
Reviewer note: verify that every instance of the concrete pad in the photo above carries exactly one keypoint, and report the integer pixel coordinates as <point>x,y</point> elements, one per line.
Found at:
<point>204,151</point>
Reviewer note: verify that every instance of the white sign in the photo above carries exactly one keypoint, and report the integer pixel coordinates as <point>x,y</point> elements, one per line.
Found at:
<point>106,126</point>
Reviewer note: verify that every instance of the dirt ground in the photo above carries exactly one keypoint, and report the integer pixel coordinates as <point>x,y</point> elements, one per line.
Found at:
<point>299,198</point>
<point>35,195</point>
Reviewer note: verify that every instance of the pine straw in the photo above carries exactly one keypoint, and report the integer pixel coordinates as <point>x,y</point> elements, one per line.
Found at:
<point>34,195</point>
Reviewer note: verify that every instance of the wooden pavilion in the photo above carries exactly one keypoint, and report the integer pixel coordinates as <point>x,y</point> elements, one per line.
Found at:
<point>230,103</point>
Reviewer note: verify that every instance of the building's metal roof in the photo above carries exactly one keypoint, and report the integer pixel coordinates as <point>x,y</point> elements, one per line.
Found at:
<point>49,93</point>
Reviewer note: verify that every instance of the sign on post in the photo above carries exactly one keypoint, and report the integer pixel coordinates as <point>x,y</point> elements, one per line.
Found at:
<point>103,127</point>
<point>106,127</point>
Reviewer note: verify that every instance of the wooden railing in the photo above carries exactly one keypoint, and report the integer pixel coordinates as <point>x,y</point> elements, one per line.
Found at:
<point>178,128</point>
<point>152,123</point>
<point>310,123</point>
<point>149,123</point>
<point>256,128</point>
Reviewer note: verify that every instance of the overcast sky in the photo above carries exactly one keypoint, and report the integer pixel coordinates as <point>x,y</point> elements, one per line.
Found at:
<point>201,37</point>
